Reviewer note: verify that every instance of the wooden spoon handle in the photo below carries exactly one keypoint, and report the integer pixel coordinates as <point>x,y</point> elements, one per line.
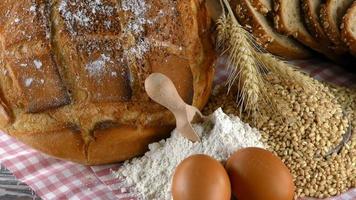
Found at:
<point>162,90</point>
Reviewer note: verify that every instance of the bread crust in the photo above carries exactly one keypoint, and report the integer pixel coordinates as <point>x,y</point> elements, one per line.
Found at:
<point>265,35</point>
<point>111,145</point>
<point>77,131</point>
<point>262,6</point>
<point>279,21</point>
<point>347,36</point>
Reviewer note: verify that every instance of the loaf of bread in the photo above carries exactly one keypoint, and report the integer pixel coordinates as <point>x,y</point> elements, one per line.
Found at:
<point>72,72</point>
<point>252,17</point>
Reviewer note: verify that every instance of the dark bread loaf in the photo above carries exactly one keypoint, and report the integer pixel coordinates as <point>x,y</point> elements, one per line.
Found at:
<point>262,29</point>
<point>72,72</point>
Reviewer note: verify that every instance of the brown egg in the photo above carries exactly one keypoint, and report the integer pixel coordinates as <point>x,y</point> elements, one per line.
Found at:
<point>257,174</point>
<point>200,177</point>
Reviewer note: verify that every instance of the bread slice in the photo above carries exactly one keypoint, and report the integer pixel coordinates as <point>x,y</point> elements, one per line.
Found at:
<point>262,6</point>
<point>288,20</point>
<point>331,13</point>
<point>311,9</point>
<point>348,29</point>
<point>263,31</point>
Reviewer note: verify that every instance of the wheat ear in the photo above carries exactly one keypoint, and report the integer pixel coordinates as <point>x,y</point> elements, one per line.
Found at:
<point>222,28</point>
<point>243,67</point>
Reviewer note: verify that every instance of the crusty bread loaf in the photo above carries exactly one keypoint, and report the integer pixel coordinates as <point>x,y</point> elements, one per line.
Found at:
<point>311,11</point>
<point>265,35</point>
<point>348,29</point>
<point>72,72</point>
<point>331,13</point>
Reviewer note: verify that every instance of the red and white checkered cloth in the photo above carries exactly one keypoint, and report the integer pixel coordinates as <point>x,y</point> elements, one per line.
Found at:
<point>54,179</point>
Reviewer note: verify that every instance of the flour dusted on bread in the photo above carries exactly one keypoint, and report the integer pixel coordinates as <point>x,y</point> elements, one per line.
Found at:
<point>150,176</point>
<point>85,16</point>
<point>84,12</point>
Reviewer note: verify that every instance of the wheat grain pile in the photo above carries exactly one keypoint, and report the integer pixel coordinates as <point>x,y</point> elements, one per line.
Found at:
<point>301,119</point>
<point>302,126</point>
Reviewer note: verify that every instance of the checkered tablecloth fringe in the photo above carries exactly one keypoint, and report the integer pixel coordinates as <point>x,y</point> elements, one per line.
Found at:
<point>48,177</point>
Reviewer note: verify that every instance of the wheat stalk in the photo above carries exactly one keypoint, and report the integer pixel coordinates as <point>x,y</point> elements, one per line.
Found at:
<point>244,69</point>
<point>286,71</point>
<point>246,60</point>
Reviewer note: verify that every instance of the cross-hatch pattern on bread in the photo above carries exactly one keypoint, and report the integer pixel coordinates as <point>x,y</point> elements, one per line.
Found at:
<point>27,54</point>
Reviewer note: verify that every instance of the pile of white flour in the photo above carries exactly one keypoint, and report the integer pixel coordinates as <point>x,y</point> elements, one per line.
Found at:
<point>150,176</point>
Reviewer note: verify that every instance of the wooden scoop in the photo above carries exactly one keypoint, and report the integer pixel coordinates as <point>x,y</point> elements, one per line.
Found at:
<point>162,90</point>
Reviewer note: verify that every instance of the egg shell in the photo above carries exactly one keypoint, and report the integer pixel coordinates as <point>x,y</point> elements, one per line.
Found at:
<point>200,177</point>
<point>257,174</point>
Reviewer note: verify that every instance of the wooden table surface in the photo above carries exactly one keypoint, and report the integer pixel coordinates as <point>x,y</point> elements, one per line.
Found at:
<point>12,189</point>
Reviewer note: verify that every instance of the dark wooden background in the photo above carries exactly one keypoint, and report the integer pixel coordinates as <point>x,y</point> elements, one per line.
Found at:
<point>12,189</point>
